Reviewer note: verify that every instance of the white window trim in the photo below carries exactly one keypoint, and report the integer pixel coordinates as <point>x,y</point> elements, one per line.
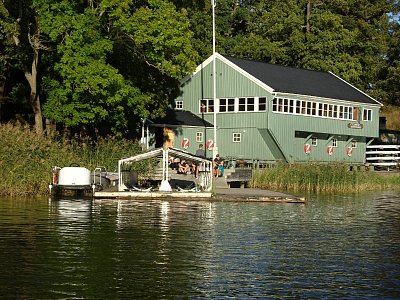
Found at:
<point>368,114</point>
<point>239,137</point>
<point>314,142</point>
<point>199,134</point>
<point>334,143</point>
<point>179,104</point>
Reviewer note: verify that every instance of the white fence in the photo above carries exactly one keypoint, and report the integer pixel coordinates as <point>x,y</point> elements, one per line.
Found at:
<point>383,156</point>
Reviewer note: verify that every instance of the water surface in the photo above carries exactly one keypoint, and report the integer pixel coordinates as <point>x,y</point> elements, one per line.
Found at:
<point>333,247</point>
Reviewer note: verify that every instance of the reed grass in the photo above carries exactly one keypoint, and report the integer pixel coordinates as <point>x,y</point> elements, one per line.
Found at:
<point>316,178</point>
<point>27,159</point>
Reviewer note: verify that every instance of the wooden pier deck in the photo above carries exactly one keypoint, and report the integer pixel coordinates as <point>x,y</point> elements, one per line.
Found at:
<point>221,192</point>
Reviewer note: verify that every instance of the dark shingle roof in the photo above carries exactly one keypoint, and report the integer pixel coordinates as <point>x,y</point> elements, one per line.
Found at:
<point>300,81</point>
<point>179,118</point>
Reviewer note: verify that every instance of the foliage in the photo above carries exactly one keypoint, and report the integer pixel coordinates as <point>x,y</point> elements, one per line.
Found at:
<point>8,29</point>
<point>105,64</point>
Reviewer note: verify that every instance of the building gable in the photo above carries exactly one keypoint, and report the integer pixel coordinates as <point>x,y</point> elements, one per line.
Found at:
<point>282,79</point>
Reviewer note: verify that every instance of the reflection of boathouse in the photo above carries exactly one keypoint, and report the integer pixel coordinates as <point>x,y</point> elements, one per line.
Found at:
<point>269,113</point>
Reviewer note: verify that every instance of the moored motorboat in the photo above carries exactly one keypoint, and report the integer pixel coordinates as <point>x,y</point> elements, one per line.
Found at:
<point>73,180</point>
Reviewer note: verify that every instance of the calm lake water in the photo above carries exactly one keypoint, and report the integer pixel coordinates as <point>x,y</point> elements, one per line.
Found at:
<point>334,247</point>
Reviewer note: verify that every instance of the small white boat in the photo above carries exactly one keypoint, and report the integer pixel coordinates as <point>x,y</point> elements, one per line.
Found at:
<point>73,180</point>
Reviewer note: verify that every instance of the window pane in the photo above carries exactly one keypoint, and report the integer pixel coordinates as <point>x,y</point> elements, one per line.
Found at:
<point>262,104</point>
<point>222,105</point>
<point>314,141</point>
<point>275,104</point>
<point>203,105</point>
<point>242,104</point>
<point>250,104</point>
<point>236,137</point>
<point>231,104</point>
<point>199,136</point>
<point>210,105</point>
<point>291,106</point>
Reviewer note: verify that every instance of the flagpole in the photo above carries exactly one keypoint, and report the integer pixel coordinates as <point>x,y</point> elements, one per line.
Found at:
<point>215,149</point>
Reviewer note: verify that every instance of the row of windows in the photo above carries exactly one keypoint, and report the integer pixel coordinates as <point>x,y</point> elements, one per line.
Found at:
<point>241,104</point>
<point>237,138</point>
<point>334,143</point>
<point>310,108</point>
<point>283,105</point>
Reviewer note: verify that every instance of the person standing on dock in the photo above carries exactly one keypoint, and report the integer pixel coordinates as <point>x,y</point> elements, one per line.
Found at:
<point>200,153</point>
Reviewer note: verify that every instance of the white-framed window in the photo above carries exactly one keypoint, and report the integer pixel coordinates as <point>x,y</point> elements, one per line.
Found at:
<point>242,104</point>
<point>275,104</point>
<point>334,142</point>
<point>250,104</point>
<point>236,137</point>
<point>179,104</point>
<point>335,111</point>
<point>262,104</point>
<point>314,110</point>
<point>246,104</point>
<point>199,136</point>
<point>206,105</point>
<point>314,141</point>
<point>353,144</point>
<point>226,105</point>
<point>367,114</point>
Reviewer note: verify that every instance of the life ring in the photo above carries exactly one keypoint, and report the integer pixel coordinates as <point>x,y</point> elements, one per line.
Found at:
<point>307,149</point>
<point>349,151</point>
<point>210,145</point>
<point>185,143</point>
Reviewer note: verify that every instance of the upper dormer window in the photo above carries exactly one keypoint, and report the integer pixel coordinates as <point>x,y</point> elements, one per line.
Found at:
<point>179,104</point>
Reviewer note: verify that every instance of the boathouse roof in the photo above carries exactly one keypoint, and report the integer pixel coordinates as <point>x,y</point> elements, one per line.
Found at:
<point>177,118</point>
<point>283,79</point>
<point>302,81</point>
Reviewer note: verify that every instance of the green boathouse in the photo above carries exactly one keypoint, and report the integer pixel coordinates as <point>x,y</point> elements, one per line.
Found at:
<point>269,113</point>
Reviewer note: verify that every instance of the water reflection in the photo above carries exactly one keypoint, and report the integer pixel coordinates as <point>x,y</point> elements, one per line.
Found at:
<point>334,247</point>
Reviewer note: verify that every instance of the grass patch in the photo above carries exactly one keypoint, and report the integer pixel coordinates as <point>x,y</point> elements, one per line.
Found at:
<point>316,178</point>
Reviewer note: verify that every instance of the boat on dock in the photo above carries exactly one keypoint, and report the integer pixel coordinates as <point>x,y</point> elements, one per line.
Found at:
<point>71,181</point>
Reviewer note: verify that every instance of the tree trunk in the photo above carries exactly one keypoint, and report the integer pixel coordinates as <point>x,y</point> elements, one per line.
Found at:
<point>34,96</point>
<point>2,92</point>
<point>308,16</point>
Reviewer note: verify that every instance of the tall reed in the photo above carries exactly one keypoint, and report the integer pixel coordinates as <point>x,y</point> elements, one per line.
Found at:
<point>321,178</point>
<point>27,159</point>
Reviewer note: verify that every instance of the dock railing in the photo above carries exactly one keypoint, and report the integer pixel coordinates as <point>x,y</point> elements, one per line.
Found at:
<point>383,156</point>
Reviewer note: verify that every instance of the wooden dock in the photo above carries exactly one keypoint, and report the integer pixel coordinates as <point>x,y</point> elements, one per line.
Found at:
<point>221,192</point>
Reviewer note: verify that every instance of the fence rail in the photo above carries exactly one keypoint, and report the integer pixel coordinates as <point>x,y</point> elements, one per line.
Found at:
<point>383,156</point>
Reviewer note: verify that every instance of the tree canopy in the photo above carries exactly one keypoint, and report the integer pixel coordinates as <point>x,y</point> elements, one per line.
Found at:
<point>105,64</point>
